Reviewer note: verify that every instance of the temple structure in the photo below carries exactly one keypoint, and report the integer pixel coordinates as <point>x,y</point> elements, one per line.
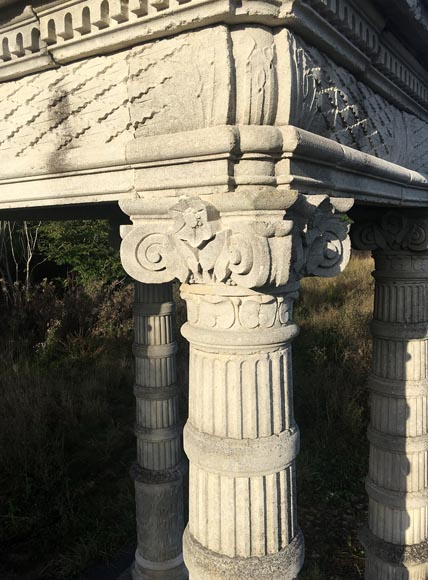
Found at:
<point>235,142</point>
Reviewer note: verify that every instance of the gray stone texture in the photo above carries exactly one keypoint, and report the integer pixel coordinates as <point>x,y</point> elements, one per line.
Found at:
<point>397,484</point>
<point>158,474</point>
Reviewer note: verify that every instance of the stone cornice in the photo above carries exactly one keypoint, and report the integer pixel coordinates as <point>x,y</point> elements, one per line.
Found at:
<point>269,164</point>
<point>50,35</point>
<point>314,163</point>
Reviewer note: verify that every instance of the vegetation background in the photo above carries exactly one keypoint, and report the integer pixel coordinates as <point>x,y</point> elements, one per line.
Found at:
<point>67,408</point>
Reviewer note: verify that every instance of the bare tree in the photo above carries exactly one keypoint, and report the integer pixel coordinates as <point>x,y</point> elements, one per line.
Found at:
<point>18,246</point>
<point>28,240</point>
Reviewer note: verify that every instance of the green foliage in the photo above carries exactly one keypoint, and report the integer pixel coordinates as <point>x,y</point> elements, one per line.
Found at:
<point>82,246</point>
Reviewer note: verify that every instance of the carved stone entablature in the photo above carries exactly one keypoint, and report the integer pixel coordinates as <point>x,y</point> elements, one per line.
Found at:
<point>46,36</point>
<point>330,101</point>
<point>246,76</point>
<point>72,29</point>
<point>393,231</point>
<point>195,245</point>
<point>365,27</point>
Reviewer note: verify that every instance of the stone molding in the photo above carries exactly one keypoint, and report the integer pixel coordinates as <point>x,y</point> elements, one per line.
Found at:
<point>194,244</point>
<point>266,456</point>
<point>48,36</point>
<point>410,555</point>
<point>211,161</point>
<point>285,565</point>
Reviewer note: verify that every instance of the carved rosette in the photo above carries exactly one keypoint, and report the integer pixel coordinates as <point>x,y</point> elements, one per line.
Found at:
<point>198,247</point>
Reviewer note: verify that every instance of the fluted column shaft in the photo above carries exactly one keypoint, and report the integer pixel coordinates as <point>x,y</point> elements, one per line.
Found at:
<point>240,262</point>
<point>241,437</point>
<point>158,473</point>
<point>397,539</point>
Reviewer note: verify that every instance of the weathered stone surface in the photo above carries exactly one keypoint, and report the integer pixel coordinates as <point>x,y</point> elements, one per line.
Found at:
<point>158,474</point>
<point>108,99</point>
<point>397,544</point>
<point>197,247</point>
<point>331,102</point>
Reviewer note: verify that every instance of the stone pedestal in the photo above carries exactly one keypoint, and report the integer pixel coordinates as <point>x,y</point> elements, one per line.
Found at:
<point>158,473</point>
<point>396,540</point>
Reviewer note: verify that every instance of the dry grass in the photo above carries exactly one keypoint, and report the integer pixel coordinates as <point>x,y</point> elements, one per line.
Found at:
<point>332,358</point>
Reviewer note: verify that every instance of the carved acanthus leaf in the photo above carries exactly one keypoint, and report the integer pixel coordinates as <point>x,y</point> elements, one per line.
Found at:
<point>198,250</point>
<point>322,246</point>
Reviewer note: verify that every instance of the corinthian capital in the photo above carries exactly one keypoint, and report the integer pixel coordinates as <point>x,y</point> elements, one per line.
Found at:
<point>394,231</point>
<point>322,245</point>
<point>195,244</point>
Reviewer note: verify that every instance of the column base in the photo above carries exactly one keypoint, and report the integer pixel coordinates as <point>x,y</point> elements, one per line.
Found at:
<point>385,561</point>
<point>203,563</point>
<point>169,570</point>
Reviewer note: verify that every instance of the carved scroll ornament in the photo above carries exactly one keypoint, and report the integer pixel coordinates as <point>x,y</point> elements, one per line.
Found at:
<point>394,231</point>
<point>325,248</point>
<point>252,254</point>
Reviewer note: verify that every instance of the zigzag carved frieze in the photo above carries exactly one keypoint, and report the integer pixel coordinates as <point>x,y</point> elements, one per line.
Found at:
<point>40,37</point>
<point>108,98</point>
<point>140,91</point>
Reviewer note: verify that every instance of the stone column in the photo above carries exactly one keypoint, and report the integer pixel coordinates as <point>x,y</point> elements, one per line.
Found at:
<point>240,270</point>
<point>241,437</point>
<point>396,540</point>
<point>158,473</point>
